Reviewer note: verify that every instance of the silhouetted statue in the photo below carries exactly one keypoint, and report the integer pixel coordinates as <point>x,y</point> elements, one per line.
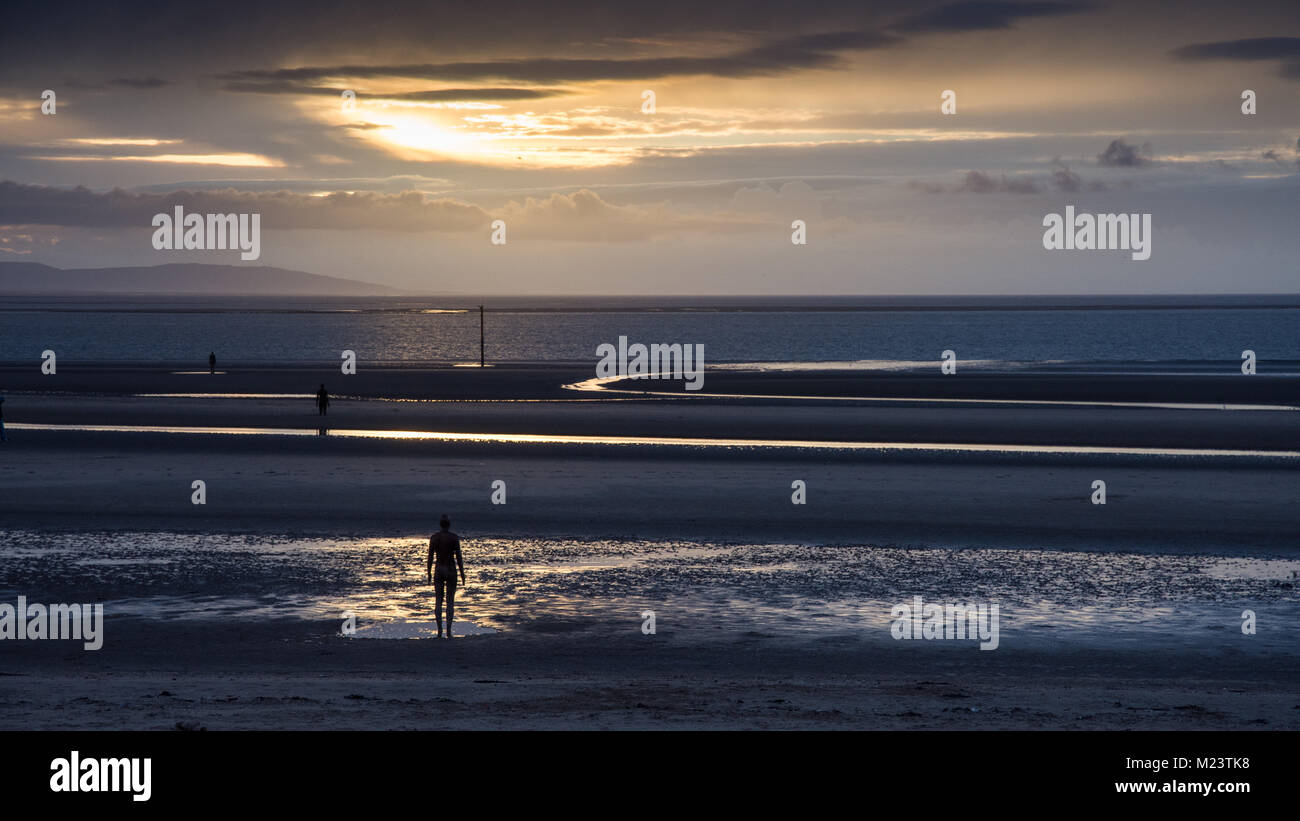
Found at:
<point>322,401</point>
<point>443,546</point>
<point>212,362</point>
<point>3,438</point>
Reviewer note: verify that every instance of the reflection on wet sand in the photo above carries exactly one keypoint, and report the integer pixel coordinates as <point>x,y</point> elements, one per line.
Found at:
<point>700,591</point>
<point>695,442</point>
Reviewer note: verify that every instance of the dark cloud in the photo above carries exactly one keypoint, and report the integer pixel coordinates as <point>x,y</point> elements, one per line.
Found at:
<point>473,94</point>
<point>982,16</point>
<point>1120,154</point>
<point>430,95</point>
<point>1274,156</point>
<point>1286,49</point>
<point>978,182</point>
<point>802,52</point>
<point>1065,179</point>
<point>389,185</point>
<point>138,82</point>
<point>981,183</point>
<point>579,215</point>
<point>22,204</point>
<point>119,82</point>
<point>1257,48</point>
<point>206,35</point>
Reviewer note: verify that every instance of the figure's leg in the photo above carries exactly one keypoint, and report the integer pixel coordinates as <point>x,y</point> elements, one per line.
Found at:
<point>451,607</point>
<point>437,603</point>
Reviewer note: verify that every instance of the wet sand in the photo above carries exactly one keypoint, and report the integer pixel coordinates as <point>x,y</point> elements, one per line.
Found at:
<point>546,381</point>
<point>299,673</point>
<point>614,415</point>
<point>330,485</point>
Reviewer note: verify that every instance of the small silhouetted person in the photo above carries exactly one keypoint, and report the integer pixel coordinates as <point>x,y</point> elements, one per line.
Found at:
<point>443,546</point>
<point>3,438</point>
<point>322,401</point>
<point>212,362</point>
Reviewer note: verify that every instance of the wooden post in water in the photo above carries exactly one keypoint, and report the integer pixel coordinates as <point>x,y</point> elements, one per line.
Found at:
<point>480,336</point>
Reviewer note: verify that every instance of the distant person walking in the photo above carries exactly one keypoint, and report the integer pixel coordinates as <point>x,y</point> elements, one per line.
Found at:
<point>443,546</point>
<point>212,363</point>
<point>322,401</point>
<point>3,438</point>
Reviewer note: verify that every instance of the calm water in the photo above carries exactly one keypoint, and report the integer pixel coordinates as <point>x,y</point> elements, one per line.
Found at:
<point>278,330</point>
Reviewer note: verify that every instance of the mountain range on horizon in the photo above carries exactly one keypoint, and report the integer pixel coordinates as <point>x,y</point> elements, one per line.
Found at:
<point>180,279</point>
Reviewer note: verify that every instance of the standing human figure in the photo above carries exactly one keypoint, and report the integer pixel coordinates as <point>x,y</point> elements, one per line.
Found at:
<point>3,438</point>
<point>443,546</point>
<point>212,363</point>
<point>322,401</point>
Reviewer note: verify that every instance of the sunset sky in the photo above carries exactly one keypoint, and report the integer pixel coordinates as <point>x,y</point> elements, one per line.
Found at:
<point>766,112</point>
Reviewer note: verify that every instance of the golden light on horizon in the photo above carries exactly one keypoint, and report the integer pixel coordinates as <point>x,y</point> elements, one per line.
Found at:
<point>516,139</point>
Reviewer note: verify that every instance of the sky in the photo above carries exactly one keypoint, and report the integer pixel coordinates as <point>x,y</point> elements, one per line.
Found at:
<point>764,113</point>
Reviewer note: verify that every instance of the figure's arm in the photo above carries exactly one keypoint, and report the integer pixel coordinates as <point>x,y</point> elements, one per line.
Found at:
<point>428,565</point>
<point>460,562</point>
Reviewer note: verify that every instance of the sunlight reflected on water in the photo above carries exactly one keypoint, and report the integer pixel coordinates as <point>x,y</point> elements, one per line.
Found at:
<point>699,591</point>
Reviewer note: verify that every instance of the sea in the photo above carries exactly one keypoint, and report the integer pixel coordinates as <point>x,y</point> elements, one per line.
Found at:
<point>1177,333</point>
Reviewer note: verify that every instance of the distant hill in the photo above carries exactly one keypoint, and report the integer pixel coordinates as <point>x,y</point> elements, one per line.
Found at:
<point>187,279</point>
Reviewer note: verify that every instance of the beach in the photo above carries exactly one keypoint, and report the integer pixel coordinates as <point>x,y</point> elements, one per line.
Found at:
<point>768,614</point>
<point>299,675</point>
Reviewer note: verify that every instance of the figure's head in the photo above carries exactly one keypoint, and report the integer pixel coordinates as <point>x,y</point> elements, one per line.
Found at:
<point>444,522</point>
